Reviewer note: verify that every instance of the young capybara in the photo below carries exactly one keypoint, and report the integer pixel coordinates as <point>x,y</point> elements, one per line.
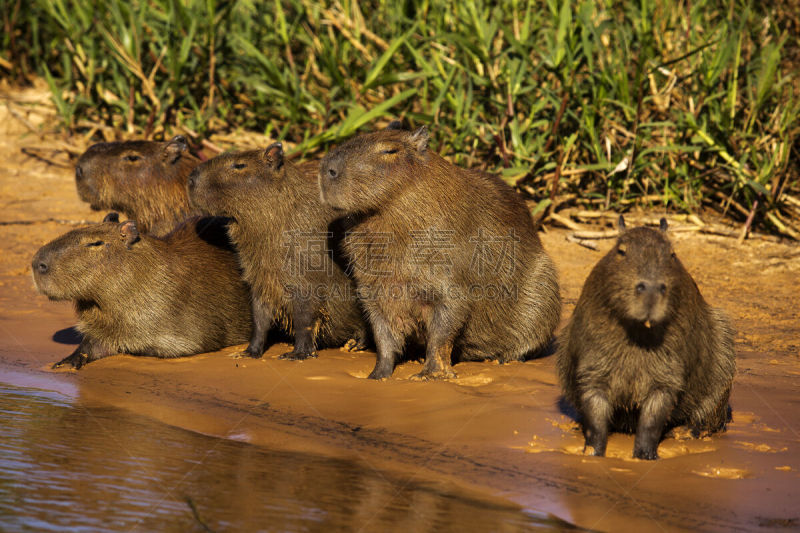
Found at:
<point>284,239</point>
<point>441,255</point>
<point>145,180</point>
<point>165,297</point>
<point>643,350</point>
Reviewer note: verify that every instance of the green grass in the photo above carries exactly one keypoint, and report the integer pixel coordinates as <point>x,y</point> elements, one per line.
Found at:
<point>698,97</point>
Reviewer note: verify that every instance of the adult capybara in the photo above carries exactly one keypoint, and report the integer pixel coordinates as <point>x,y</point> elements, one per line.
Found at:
<point>145,180</point>
<point>643,350</point>
<point>142,295</point>
<point>441,255</point>
<point>284,239</point>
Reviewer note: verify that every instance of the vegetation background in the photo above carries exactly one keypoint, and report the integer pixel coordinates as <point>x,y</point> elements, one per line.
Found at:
<point>688,105</point>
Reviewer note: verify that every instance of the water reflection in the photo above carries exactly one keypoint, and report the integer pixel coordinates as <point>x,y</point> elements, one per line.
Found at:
<point>94,468</point>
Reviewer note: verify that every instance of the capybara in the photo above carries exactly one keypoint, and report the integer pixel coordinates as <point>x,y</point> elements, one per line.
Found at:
<point>145,180</point>
<point>284,238</point>
<point>643,350</point>
<point>442,256</point>
<point>165,297</point>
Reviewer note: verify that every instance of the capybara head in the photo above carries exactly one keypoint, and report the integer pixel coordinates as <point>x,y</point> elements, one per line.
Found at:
<point>366,171</point>
<point>76,264</point>
<point>109,175</point>
<point>640,271</point>
<point>228,183</point>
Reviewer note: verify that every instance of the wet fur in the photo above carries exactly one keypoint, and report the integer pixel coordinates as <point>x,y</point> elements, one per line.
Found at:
<point>133,293</point>
<point>622,375</point>
<point>395,189</point>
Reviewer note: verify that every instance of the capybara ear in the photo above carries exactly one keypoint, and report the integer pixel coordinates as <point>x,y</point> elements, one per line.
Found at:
<point>621,223</point>
<point>273,155</point>
<point>420,138</point>
<point>662,224</point>
<point>396,125</point>
<point>175,148</point>
<point>111,217</point>
<point>129,233</point>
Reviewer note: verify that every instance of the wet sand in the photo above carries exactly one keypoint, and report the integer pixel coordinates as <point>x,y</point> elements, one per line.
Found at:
<point>498,429</point>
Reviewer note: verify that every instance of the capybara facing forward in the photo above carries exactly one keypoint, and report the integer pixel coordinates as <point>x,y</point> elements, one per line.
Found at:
<point>442,256</point>
<point>282,233</point>
<point>136,294</point>
<point>643,350</point>
<point>145,180</point>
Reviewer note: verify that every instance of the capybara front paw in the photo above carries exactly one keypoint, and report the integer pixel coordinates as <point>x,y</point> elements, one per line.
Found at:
<point>76,361</point>
<point>246,353</point>
<point>595,445</point>
<point>591,450</point>
<point>380,373</point>
<point>649,454</point>
<point>298,356</point>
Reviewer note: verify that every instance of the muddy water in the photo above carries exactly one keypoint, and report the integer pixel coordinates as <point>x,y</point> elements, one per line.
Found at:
<point>68,465</point>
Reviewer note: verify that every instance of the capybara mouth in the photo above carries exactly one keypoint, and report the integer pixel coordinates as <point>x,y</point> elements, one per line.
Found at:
<point>43,288</point>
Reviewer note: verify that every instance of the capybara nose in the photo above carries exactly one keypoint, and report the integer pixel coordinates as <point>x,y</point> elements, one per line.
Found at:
<point>79,173</point>
<point>651,287</point>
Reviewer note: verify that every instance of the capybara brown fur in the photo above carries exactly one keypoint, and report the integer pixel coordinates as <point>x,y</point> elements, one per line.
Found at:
<point>137,294</point>
<point>284,238</point>
<point>442,256</point>
<point>643,350</point>
<point>145,180</point>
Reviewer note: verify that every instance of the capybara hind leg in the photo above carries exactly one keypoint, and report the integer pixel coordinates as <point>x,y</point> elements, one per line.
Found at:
<point>262,321</point>
<point>653,416</point>
<point>441,325</point>
<point>711,415</point>
<point>304,330</point>
<point>388,348</point>
<point>596,416</point>
<point>437,363</point>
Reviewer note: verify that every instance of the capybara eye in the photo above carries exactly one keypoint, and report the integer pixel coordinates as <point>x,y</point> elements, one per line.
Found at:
<point>640,287</point>
<point>239,166</point>
<point>390,151</point>
<point>132,157</point>
<point>95,243</point>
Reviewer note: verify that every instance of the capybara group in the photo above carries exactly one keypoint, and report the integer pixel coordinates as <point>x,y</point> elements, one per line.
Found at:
<point>145,180</point>
<point>142,295</point>
<point>643,350</point>
<point>283,236</point>
<point>442,256</point>
<point>382,239</point>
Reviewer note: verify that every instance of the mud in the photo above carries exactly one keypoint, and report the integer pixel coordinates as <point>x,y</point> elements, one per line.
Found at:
<point>498,429</point>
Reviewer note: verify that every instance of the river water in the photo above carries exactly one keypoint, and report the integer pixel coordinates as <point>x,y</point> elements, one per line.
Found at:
<point>64,465</point>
